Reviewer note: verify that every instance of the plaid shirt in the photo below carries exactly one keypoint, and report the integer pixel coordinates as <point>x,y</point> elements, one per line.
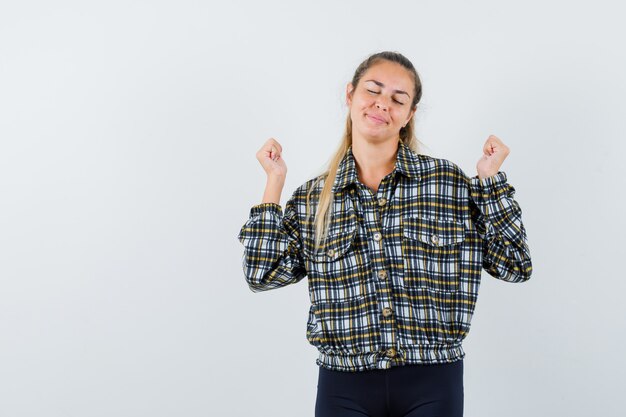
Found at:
<point>397,280</point>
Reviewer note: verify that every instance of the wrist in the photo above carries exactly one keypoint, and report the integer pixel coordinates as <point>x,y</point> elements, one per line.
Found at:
<point>275,179</point>
<point>273,189</point>
<point>482,175</point>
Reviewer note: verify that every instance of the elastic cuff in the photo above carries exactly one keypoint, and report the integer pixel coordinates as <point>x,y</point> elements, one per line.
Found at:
<point>489,183</point>
<point>262,207</point>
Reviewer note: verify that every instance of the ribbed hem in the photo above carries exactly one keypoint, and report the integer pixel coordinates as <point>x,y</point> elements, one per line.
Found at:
<point>411,355</point>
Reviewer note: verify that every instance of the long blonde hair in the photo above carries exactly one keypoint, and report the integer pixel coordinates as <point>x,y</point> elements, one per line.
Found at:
<point>406,135</point>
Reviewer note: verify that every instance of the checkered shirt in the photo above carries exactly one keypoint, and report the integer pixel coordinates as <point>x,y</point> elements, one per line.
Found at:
<point>397,280</point>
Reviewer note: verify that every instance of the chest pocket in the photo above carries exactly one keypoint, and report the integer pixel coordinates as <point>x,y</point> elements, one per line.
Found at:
<point>431,250</point>
<point>337,245</point>
<point>335,270</point>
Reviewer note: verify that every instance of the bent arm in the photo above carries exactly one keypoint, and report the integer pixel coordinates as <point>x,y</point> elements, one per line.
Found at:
<point>498,220</point>
<point>272,247</point>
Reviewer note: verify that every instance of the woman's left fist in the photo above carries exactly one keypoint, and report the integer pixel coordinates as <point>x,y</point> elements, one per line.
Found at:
<point>494,153</point>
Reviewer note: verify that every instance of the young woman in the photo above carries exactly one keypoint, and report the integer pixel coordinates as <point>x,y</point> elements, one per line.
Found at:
<point>393,243</point>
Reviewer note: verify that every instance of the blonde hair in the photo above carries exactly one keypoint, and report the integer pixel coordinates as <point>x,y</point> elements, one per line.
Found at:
<point>406,135</point>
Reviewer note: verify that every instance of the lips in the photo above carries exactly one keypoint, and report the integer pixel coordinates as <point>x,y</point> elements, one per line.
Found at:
<point>378,119</point>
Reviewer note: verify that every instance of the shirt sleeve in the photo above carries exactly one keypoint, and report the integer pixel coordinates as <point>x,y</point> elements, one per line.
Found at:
<point>272,255</point>
<point>498,220</point>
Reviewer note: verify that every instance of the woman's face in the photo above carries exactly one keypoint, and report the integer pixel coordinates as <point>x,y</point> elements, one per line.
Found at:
<point>381,103</point>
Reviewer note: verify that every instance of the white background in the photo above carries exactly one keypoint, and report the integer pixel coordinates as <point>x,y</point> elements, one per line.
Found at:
<point>128,136</point>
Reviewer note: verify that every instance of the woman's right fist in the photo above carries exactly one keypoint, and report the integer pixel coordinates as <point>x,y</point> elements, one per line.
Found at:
<point>270,157</point>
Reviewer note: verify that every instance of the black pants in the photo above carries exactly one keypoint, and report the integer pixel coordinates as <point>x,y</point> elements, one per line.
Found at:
<point>401,391</point>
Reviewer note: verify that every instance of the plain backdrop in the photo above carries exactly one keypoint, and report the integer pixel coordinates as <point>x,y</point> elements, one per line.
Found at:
<point>128,137</point>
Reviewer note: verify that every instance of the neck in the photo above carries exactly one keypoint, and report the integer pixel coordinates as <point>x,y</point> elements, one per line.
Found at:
<point>374,160</point>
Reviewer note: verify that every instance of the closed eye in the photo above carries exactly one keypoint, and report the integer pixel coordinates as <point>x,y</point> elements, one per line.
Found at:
<point>376,92</point>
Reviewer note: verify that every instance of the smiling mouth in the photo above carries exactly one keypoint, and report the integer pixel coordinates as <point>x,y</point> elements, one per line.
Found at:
<point>376,119</point>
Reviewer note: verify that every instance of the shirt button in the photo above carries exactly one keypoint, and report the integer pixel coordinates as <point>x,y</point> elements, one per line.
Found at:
<point>387,312</point>
<point>391,352</point>
<point>382,201</point>
<point>382,274</point>
<point>435,239</point>
<point>330,253</point>
<point>377,236</point>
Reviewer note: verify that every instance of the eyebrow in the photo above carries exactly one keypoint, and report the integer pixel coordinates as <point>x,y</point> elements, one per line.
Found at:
<point>378,83</point>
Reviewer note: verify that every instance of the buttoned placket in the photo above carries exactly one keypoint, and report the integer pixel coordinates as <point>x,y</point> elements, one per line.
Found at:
<point>375,212</point>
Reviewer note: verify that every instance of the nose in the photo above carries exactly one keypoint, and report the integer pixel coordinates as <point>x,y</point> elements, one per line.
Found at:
<point>381,104</point>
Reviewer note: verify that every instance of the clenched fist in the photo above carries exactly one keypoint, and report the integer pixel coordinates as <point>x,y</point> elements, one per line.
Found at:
<point>494,153</point>
<point>271,160</point>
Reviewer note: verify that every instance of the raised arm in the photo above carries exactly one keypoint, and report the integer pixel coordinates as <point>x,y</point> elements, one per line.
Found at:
<point>498,217</point>
<point>272,245</point>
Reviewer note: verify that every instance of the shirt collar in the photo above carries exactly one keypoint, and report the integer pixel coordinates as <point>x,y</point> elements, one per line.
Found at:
<point>407,163</point>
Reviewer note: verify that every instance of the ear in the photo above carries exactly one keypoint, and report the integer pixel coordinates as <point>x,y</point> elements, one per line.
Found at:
<point>349,89</point>
<point>410,116</point>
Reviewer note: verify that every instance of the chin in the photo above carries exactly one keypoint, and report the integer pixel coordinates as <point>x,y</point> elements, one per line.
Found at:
<point>374,133</point>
